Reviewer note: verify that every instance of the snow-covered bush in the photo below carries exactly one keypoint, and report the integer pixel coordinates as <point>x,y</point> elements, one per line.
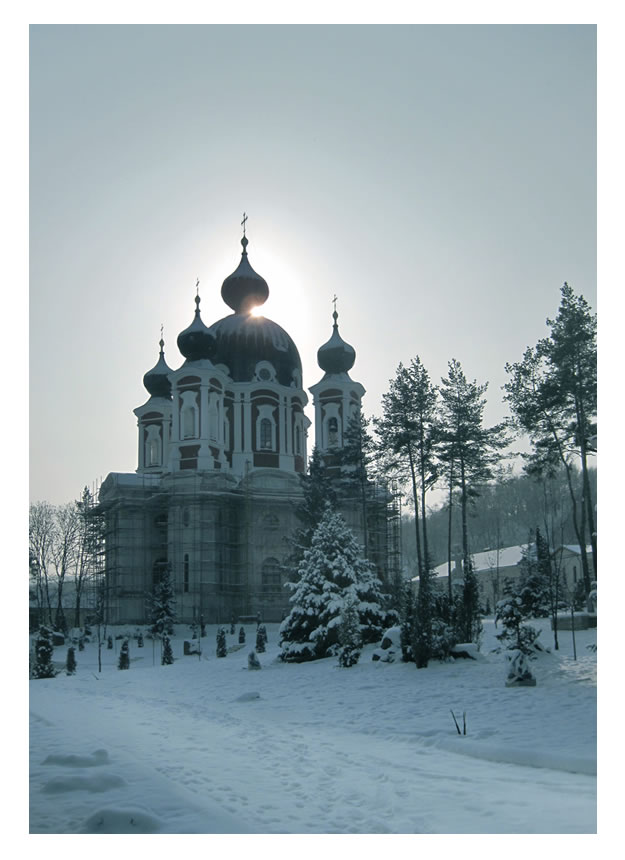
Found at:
<point>140,640</point>
<point>124,656</point>
<point>519,672</point>
<point>443,639</point>
<point>222,648</point>
<point>109,643</point>
<point>242,636</point>
<point>252,661</point>
<point>42,666</point>
<point>261,638</point>
<point>81,644</point>
<point>331,572</point>
<point>168,655</point>
<point>70,665</point>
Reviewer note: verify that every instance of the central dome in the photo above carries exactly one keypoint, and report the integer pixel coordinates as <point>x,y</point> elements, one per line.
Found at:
<point>244,289</point>
<point>243,340</point>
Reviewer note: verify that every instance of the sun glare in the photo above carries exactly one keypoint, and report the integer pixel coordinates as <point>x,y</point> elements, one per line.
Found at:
<point>257,311</point>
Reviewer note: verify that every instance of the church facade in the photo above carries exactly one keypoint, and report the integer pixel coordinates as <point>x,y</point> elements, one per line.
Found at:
<point>222,443</point>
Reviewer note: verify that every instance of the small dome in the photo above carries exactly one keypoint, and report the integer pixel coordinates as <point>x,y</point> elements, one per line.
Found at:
<point>156,380</point>
<point>196,342</point>
<point>336,356</point>
<point>243,340</point>
<point>244,289</point>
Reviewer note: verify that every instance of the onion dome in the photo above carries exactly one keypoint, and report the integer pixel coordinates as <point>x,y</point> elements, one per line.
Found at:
<point>196,342</point>
<point>244,289</point>
<point>336,356</point>
<point>157,380</point>
<point>243,340</point>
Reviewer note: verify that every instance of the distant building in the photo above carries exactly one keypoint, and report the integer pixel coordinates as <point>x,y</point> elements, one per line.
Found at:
<point>494,568</point>
<point>222,443</point>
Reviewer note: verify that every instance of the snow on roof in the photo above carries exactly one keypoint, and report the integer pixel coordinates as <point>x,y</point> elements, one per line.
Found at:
<point>574,547</point>
<point>509,556</point>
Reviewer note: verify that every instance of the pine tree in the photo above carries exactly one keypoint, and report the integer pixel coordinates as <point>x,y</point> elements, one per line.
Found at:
<point>109,643</point>
<point>474,451</point>
<point>42,667</point>
<point>124,656</point>
<point>140,640</point>
<point>260,639</point>
<point>318,489</point>
<point>407,624</point>
<point>350,641</point>
<point>241,635</point>
<point>222,648</point>
<point>70,665</point>
<point>332,571</point>
<point>533,585</point>
<point>552,394</point>
<point>355,460</point>
<point>163,605</point>
<point>168,655</point>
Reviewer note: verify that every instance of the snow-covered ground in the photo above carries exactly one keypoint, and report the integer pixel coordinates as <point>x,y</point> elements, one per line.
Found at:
<point>207,746</point>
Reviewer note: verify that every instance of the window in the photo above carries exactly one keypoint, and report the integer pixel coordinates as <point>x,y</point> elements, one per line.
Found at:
<point>186,517</point>
<point>333,432</point>
<point>265,372</point>
<point>271,575</point>
<point>186,572</point>
<point>189,418</point>
<point>298,440</point>
<point>153,445</point>
<point>265,434</point>
<point>265,428</point>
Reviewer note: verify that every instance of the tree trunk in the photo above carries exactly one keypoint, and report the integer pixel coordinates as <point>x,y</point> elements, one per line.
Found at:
<point>415,497</point>
<point>449,525</point>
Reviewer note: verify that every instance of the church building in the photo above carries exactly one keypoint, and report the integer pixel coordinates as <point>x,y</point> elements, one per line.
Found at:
<point>222,443</point>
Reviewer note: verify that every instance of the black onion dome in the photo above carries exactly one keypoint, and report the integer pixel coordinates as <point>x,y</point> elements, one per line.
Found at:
<point>244,289</point>
<point>156,380</point>
<point>336,356</point>
<point>243,340</point>
<point>196,341</point>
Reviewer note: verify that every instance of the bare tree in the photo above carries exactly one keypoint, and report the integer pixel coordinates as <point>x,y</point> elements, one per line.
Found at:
<point>41,540</point>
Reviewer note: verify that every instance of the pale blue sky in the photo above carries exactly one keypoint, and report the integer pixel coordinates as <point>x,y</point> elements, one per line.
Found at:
<point>440,180</point>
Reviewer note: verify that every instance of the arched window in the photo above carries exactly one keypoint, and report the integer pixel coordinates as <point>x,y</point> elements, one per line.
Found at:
<point>189,417</point>
<point>186,572</point>
<point>333,432</point>
<point>271,575</point>
<point>265,434</point>
<point>153,445</point>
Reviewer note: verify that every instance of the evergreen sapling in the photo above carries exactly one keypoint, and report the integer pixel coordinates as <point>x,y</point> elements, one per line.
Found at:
<point>222,648</point>
<point>70,666</point>
<point>124,656</point>
<point>168,657</point>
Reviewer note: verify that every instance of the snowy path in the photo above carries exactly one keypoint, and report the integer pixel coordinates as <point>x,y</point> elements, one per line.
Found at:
<point>321,750</point>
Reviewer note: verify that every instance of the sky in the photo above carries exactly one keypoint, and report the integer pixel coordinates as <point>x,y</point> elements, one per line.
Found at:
<point>439,180</point>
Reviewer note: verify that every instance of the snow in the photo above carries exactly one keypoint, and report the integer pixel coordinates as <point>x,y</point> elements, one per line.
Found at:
<point>203,747</point>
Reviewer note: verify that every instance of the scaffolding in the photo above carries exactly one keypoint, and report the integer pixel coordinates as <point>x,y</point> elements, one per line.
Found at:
<point>221,542</point>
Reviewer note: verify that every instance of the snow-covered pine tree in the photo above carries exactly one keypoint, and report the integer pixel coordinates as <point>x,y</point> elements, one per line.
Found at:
<point>260,639</point>
<point>349,635</point>
<point>42,667</point>
<point>533,588</point>
<point>124,656</point>
<point>331,571</point>
<point>140,640</point>
<point>163,605</point>
<point>252,661</point>
<point>70,665</point>
<point>168,655</point>
<point>222,648</point>
<point>515,635</point>
<point>241,635</point>
<point>109,643</point>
